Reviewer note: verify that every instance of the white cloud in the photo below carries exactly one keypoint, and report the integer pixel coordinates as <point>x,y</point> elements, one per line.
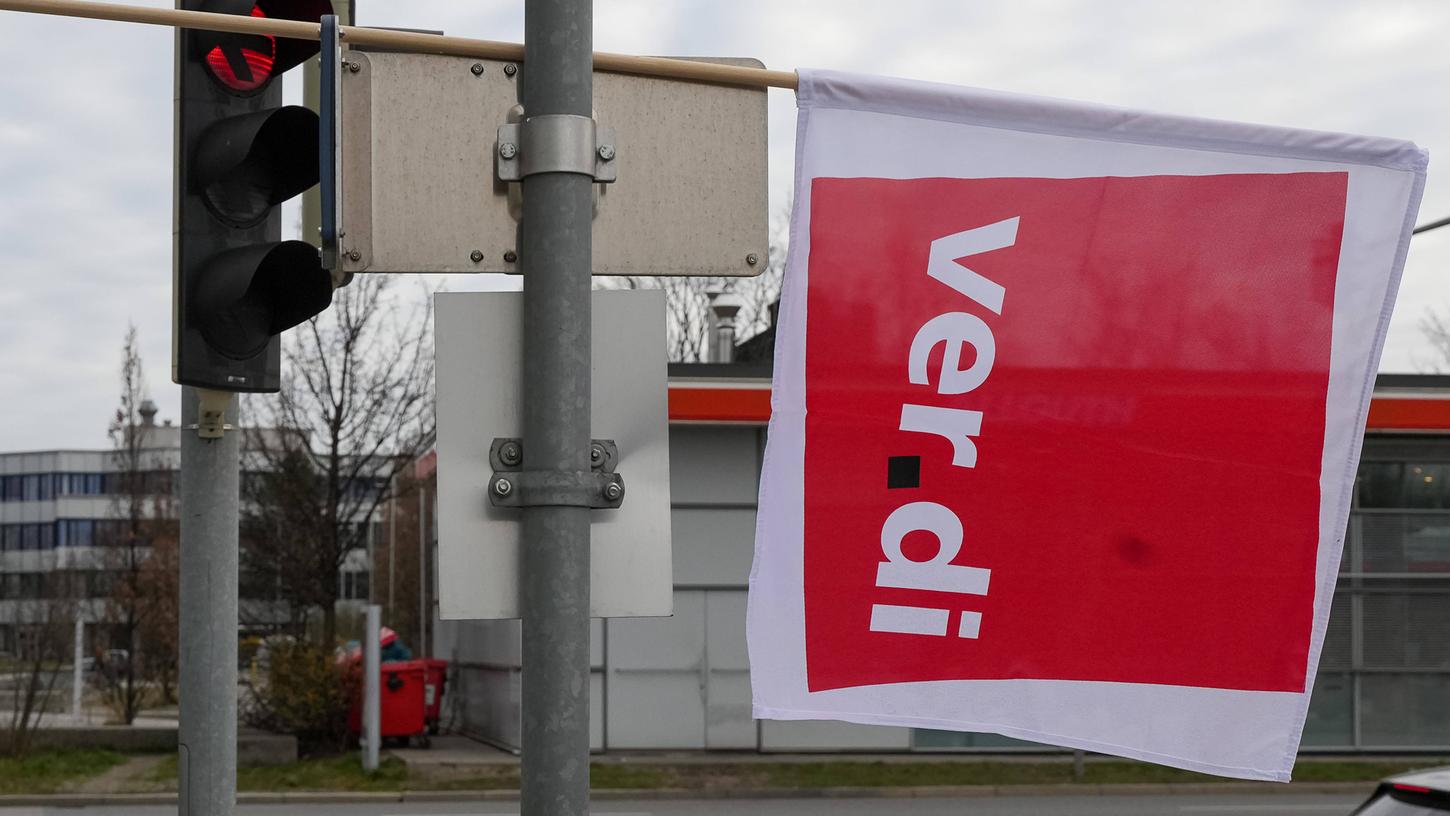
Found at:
<point>85,133</point>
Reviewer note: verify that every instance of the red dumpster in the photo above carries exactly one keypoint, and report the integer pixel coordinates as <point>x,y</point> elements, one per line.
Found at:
<point>435,683</point>
<point>402,709</point>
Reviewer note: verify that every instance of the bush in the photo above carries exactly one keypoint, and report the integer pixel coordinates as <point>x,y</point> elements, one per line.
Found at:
<point>304,692</point>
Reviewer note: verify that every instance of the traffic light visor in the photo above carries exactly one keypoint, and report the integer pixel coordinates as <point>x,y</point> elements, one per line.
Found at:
<point>246,165</point>
<point>247,295</point>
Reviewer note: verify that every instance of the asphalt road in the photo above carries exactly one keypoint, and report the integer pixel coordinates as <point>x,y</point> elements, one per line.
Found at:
<point>1182,805</point>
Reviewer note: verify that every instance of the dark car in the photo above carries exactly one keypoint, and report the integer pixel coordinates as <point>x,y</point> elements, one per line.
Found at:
<point>1422,793</point>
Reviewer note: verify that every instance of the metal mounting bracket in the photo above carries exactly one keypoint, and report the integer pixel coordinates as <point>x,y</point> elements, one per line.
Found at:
<point>212,413</point>
<point>557,143</point>
<point>599,488</point>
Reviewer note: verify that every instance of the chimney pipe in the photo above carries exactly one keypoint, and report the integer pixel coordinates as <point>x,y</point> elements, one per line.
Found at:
<point>724,306</point>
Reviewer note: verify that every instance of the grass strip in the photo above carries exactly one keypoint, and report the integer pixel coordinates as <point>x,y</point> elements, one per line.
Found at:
<point>337,773</point>
<point>52,771</point>
<point>344,773</point>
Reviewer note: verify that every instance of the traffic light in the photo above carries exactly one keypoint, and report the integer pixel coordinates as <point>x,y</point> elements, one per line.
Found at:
<point>239,155</point>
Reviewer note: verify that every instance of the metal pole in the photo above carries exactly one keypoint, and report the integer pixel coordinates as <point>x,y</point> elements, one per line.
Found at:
<point>372,571</point>
<point>392,541</point>
<point>372,693</point>
<point>207,765</point>
<point>1431,225</point>
<point>554,251</point>
<point>76,678</point>
<point>423,617</point>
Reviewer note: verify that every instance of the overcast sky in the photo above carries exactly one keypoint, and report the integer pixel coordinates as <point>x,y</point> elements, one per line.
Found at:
<point>85,134</point>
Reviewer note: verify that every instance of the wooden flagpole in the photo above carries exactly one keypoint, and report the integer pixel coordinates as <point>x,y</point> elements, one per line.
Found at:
<point>401,41</point>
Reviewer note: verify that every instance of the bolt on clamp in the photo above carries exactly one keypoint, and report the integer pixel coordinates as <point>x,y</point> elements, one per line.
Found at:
<point>557,143</point>
<point>511,485</point>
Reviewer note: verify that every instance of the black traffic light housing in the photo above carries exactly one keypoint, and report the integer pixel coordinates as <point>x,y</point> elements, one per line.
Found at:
<point>240,154</point>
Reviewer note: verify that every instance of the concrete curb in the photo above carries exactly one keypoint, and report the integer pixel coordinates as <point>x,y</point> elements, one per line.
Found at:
<point>72,800</point>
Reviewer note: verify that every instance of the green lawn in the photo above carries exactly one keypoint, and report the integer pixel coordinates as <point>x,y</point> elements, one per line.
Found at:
<point>51,771</point>
<point>846,773</point>
<point>885,774</point>
<point>340,773</point>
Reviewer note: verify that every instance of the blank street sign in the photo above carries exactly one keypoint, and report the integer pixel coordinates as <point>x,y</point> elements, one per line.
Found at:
<point>419,194</point>
<point>480,383</point>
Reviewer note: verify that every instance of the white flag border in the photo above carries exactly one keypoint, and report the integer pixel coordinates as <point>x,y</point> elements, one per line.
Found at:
<point>859,126</point>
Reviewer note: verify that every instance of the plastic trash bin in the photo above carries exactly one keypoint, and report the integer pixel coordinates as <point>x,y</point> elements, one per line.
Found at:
<point>402,705</point>
<point>435,683</point>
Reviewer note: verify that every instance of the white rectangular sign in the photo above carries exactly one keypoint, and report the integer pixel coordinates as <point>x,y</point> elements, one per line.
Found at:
<point>480,386</point>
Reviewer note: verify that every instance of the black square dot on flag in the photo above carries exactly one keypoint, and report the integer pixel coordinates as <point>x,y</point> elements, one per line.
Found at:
<point>1123,361</point>
<point>903,472</point>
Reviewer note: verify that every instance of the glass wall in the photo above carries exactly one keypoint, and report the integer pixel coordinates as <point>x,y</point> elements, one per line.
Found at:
<point>1384,674</point>
<point>1393,603</point>
<point>50,486</point>
<point>47,535</point>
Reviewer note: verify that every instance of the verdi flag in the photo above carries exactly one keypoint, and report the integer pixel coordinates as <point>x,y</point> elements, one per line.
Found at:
<point>1067,408</point>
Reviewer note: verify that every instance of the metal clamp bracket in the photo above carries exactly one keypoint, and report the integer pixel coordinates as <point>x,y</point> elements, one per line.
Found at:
<point>511,486</point>
<point>556,143</point>
<point>212,413</point>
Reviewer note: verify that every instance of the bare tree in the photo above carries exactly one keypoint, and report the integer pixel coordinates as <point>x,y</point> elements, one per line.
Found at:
<point>140,489</point>
<point>404,589</point>
<point>356,407</point>
<point>687,300</point>
<point>1436,330</point>
<point>45,624</point>
<point>159,630</point>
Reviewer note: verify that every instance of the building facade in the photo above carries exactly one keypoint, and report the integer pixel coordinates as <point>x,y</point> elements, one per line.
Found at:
<point>60,516</point>
<point>683,682</point>
<point>61,512</point>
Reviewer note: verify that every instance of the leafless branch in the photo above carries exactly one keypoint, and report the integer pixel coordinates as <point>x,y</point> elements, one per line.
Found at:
<point>356,408</point>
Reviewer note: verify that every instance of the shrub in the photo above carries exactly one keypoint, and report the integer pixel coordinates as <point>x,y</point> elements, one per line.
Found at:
<point>303,691</point>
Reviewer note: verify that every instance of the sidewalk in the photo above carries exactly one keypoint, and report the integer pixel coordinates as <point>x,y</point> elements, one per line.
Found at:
<point>452,757</point>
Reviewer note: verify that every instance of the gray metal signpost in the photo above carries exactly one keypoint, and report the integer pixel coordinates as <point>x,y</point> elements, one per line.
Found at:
<point>372,735</point>
<point>554,252</point>
<point>207,767</point>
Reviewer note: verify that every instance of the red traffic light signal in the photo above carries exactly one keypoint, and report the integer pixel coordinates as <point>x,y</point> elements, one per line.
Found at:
<point>245,63</point>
